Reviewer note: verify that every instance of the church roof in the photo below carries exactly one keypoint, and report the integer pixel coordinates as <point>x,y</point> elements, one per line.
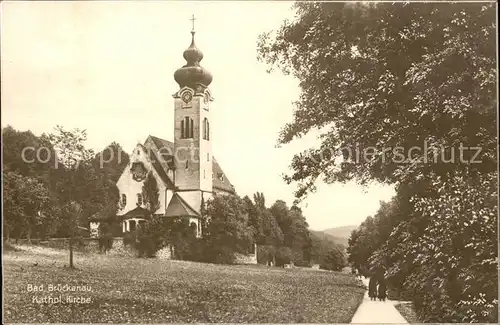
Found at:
<point>136,213</point>
<point>99,216</point>
<point>177,207</point>
<point>165,148</point>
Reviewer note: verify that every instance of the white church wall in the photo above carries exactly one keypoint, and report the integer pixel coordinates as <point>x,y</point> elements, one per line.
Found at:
<point>193,198</point>
<point>205,150</point>
<point>169,194</point>
<point>130,187</point>
<point>207,196</point>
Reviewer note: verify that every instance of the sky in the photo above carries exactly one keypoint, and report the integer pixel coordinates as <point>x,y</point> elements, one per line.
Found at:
<point>108,67</point>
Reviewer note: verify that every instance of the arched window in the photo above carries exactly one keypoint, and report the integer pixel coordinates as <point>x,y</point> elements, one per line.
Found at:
<point>206,129</point>
<point>187,126</point>
<point>124,200</point>
<point>139,199</point>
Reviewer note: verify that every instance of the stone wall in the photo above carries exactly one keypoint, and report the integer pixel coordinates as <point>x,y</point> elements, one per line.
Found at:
<point>91,246</point>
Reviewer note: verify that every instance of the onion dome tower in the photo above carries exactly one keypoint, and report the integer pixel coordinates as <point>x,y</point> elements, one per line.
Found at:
<point>193,75</point>
<point>192,128</point>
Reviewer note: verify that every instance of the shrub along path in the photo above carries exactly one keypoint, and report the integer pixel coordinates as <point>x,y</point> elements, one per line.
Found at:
<point>379,312</point>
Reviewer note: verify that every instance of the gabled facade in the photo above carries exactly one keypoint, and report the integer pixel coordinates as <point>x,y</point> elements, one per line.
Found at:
<point>186,172</point>
<point>156,156</point>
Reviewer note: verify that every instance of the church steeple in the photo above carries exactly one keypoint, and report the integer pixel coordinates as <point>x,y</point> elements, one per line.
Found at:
<point>192,115</point>
<point>192,73</point>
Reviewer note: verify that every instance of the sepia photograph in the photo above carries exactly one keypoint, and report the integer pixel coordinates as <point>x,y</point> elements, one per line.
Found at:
<point>249,162</point>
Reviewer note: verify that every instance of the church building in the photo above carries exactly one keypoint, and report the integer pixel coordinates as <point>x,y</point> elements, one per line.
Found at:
<point>186,172</point>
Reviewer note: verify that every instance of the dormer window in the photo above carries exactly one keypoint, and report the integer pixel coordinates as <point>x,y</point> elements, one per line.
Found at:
<point>221,177</point>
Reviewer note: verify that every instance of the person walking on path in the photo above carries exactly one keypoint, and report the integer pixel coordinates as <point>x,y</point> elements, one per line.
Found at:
<point>372,288</point>
<point>374,312</point>
<point>382,289</point>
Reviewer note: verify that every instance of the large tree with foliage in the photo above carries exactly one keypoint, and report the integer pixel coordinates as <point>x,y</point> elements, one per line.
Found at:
<point>29,155</point>
<point>382,76</point>
<point>35,161</point>
<point>267,233</point>
<point>107,167</point>
<point>28,207</point>
<point>151,194</point>
<point>407,86</point>
<point>111,161</point>
<point>295,231</point>
<point>77,177</point>
<point>334,260</point>
<point>228,231</point>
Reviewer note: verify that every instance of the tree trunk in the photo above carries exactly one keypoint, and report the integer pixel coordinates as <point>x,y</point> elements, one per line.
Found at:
<point>71,266</point>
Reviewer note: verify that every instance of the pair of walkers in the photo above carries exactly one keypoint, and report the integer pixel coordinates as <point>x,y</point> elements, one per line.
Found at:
<point>377,288</point>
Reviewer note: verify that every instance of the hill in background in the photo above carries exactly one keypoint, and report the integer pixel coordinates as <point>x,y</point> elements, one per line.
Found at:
<point>340,234</point>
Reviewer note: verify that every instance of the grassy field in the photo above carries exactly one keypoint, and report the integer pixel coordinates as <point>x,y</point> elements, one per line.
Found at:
<point>148,290</point>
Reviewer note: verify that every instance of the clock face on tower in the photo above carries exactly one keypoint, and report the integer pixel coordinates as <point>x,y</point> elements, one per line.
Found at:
<point>186,97</point>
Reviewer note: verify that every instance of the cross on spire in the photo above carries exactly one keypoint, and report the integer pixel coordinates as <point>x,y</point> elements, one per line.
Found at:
<point>192,20</point>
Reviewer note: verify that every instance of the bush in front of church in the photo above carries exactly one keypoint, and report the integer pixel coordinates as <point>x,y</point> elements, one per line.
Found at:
<point>129,239</point>
<point>182,236</point>
<point>150,237</point>
<point>105,237</point>
<point>227,231</point>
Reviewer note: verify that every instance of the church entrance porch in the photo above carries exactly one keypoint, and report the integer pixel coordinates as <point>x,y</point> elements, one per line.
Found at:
<point>132,224</point>
<point>134,219</point>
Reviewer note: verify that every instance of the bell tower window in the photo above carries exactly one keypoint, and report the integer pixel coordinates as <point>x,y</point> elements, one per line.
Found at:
<point>206,129</point>
<point>187,126</point>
